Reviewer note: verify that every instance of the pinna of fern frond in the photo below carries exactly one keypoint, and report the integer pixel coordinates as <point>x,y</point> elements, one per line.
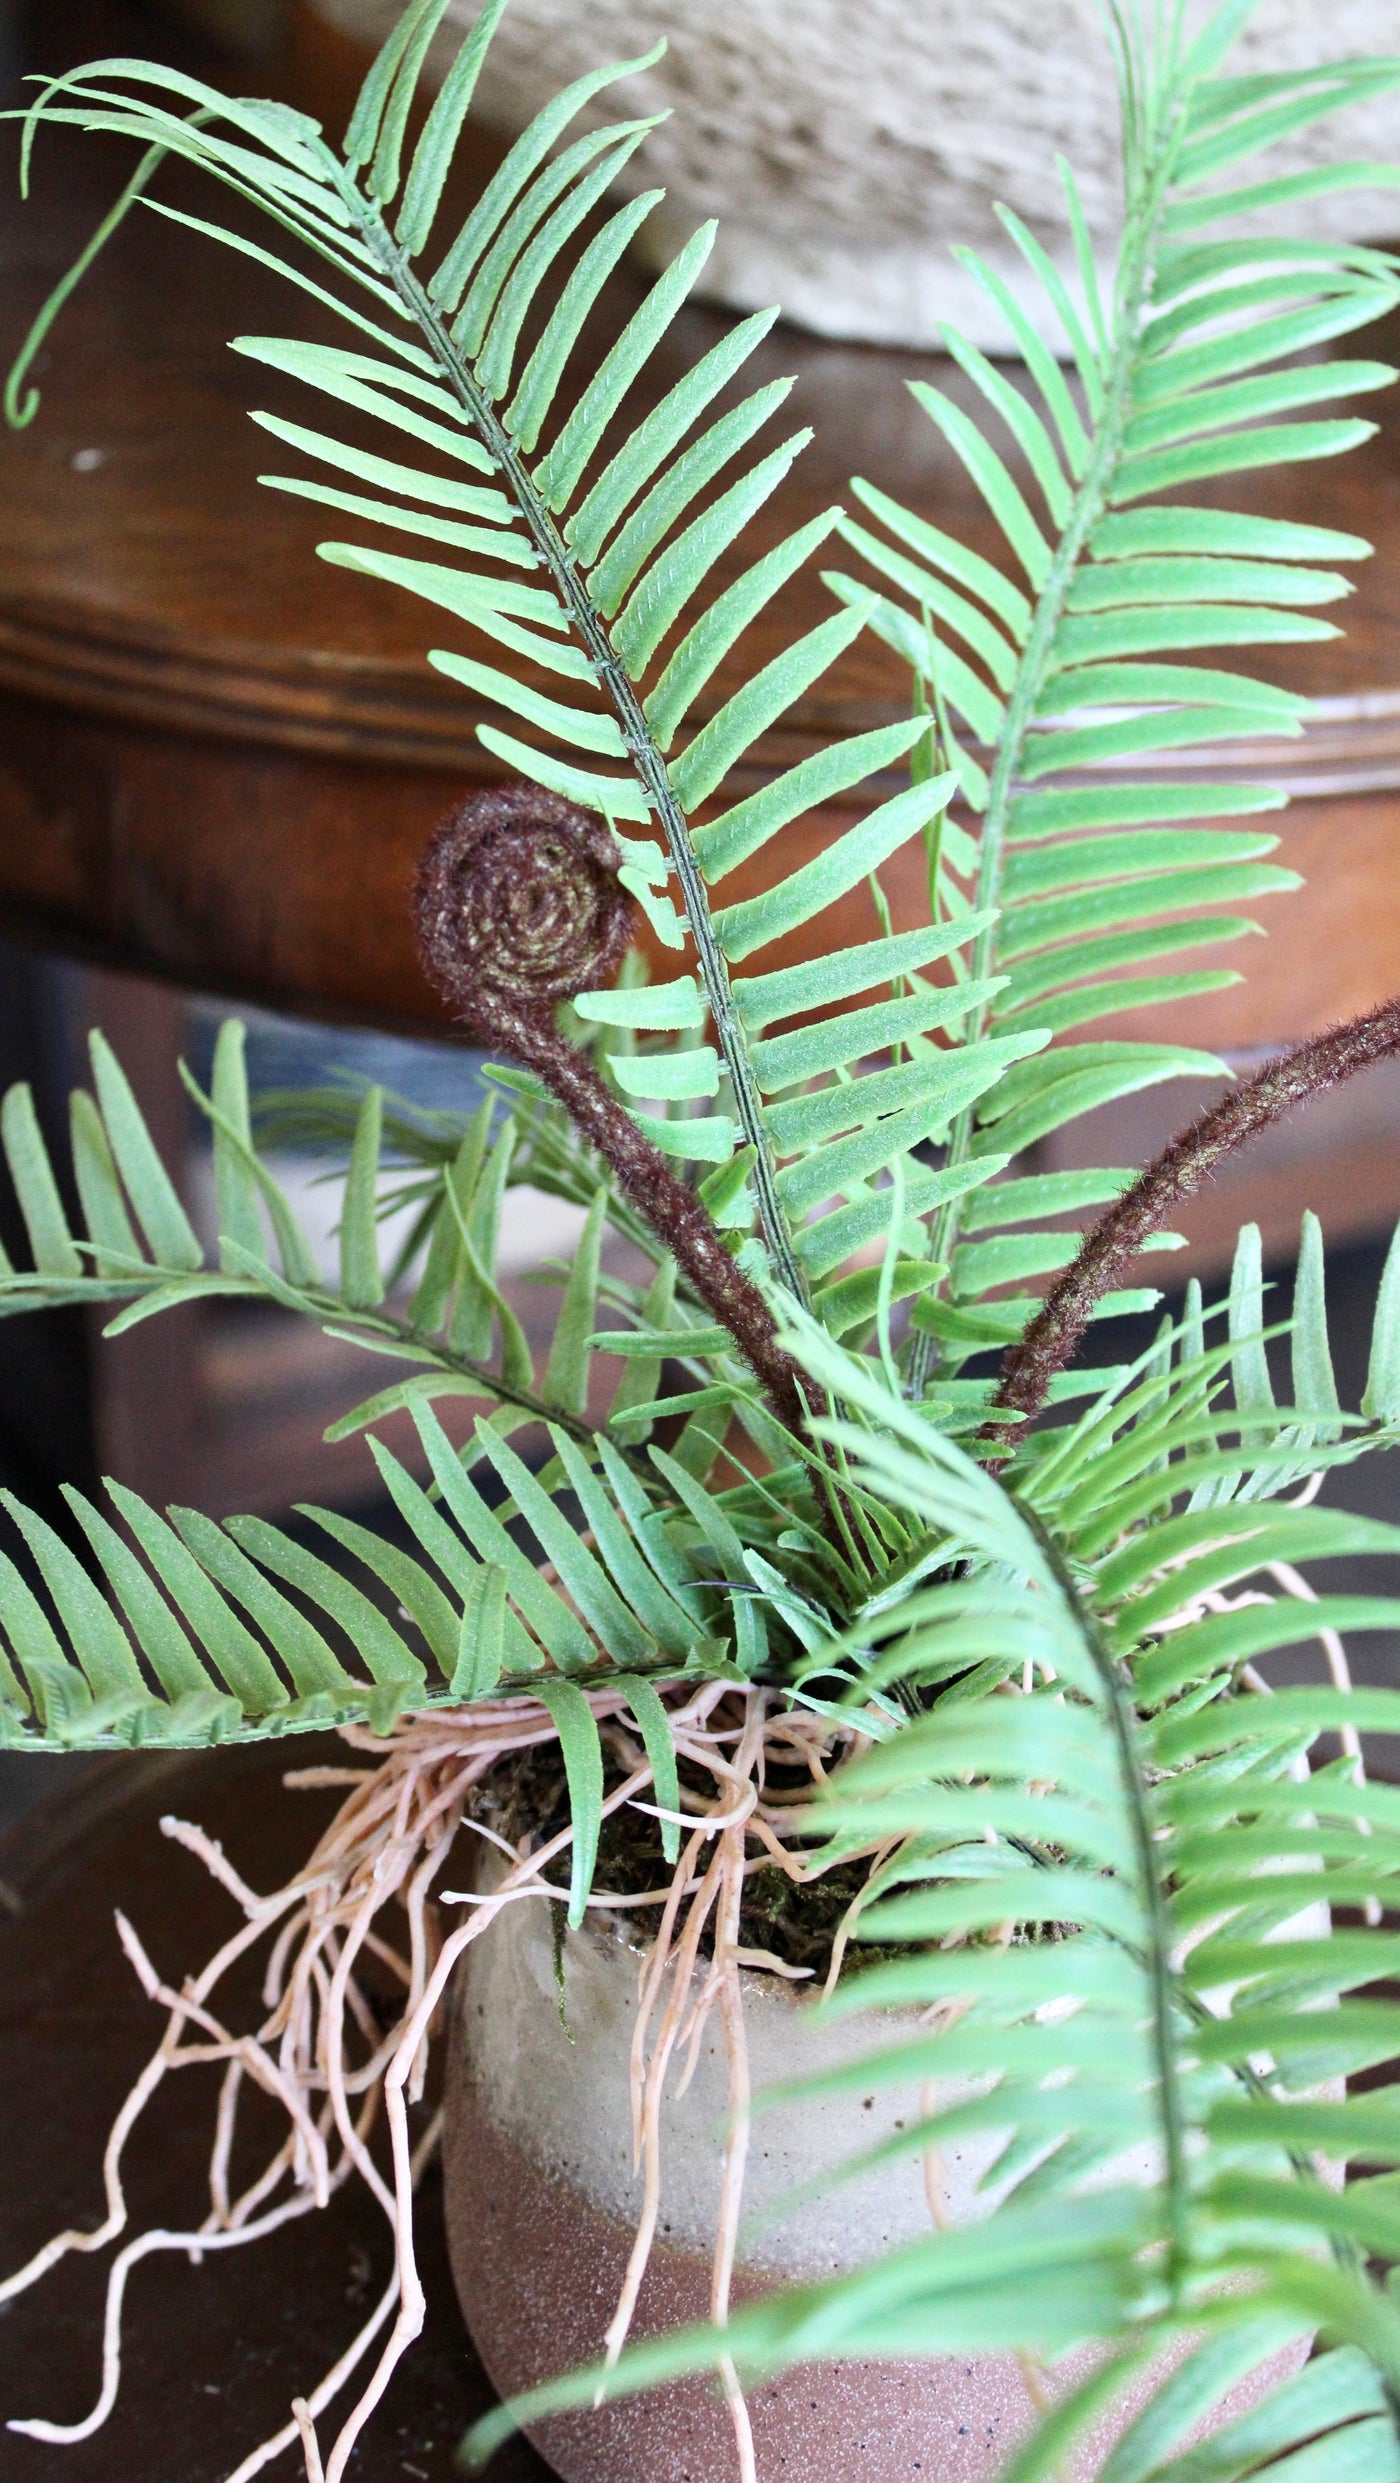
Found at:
<point>1074,660</point>
<point>185,1632</point>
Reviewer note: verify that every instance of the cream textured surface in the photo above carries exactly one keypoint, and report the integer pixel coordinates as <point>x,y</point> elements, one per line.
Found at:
<point>561,2092</point>
<point>556,2084</point>
<point>848,144</point>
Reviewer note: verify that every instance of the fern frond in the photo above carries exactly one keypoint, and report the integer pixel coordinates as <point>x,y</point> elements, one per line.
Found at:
<point>446,1313</point>
<point>1107,1896</point>
<point>183,1632</point>
<point>1078,660</point>
<point>586,546</point>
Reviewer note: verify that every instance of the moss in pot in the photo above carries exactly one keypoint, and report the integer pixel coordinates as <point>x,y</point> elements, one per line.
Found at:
<point>840,1603</point>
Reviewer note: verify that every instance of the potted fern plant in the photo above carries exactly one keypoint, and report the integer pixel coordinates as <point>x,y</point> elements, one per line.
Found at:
<point>834,1651</point>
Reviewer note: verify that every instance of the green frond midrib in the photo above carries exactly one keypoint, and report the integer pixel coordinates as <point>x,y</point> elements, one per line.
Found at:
<point>642,748</point>
<point>1091,499</point>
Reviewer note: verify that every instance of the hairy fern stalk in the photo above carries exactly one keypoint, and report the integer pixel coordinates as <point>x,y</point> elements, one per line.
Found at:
<point>1031,1658</point>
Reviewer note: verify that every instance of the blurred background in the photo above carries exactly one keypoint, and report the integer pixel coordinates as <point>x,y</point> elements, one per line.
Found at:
<point>217,765</point>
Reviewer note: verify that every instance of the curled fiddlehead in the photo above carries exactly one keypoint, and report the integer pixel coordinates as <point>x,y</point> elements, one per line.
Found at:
<point>519,906</point>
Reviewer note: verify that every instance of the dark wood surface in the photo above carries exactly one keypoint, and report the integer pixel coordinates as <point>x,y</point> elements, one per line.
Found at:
<point>215,2354</point>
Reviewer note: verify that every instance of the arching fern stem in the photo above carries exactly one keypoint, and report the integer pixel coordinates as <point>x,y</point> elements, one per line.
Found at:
<point>637,734</point>
<point>1136,270</point>
<point>1049,1343</point>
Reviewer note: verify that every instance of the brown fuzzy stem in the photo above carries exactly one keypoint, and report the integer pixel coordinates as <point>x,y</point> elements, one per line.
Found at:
<point>1051,1339</point>
<point>519,907</point>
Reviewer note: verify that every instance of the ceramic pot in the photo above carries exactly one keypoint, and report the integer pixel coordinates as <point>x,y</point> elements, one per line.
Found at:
<point>542,2201</point>
<point>848,148</point>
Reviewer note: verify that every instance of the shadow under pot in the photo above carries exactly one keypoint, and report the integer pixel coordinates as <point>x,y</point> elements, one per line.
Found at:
<point>542,2202</point>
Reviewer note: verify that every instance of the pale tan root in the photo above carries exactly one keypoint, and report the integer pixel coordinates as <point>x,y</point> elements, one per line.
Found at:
<point>319,2051</point>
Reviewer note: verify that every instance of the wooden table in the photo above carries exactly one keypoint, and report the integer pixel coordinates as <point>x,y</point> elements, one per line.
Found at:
<point>214,2355</point>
